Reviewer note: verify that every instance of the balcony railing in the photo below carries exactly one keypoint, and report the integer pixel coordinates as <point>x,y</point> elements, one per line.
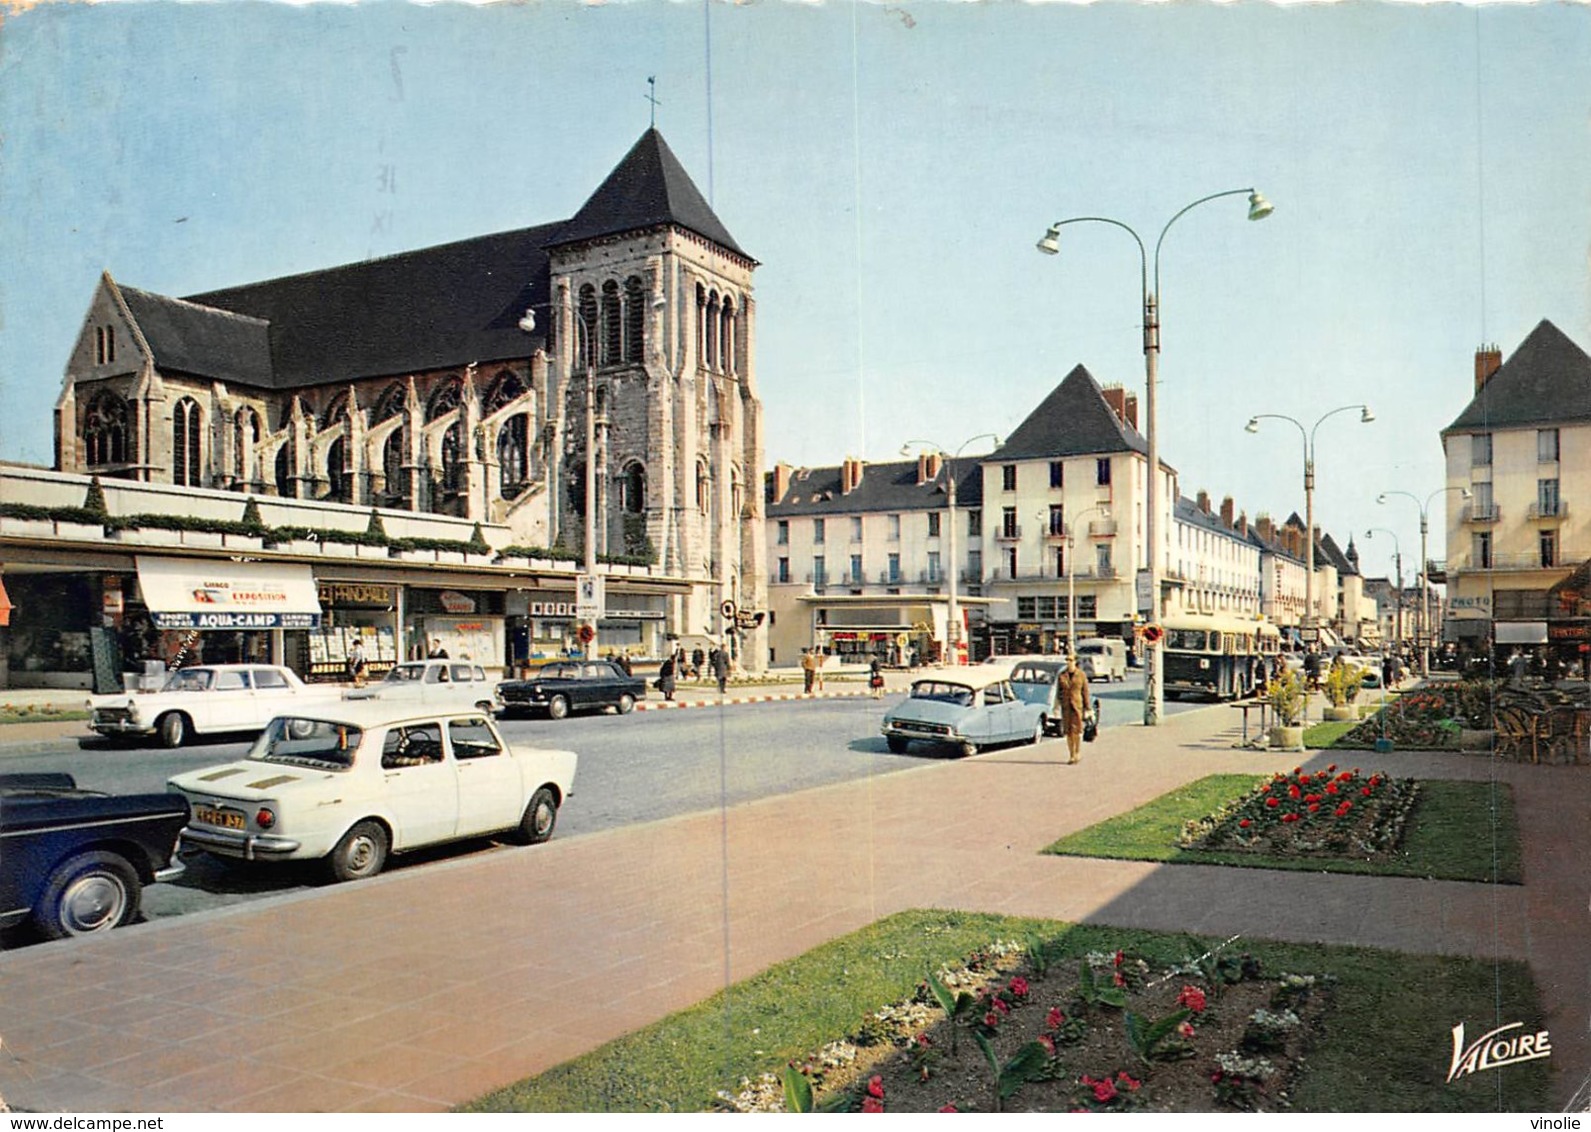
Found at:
<point>1511,562</point>
<point>1033,574</point>
<point>1480,513</point>
<point>1101,528</point>
<point>1556,509</point>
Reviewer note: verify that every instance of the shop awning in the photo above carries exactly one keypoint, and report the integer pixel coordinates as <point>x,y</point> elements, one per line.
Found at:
<point>5,605</point>
<point>1520,632</point>
<point>193,594</point>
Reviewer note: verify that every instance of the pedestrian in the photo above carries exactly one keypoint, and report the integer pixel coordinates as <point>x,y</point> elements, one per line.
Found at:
<point>1256,675</point>
<point>665,676</point>
<point>624,663</point>
<point>697,660</point>
<point>720,664</point>
<point>1073,692</point>
<point>357,664</point>
<point>1312,670</point>
<point>437,651</point>
<point>809,671</point>
<point>818,657</point>
<point>875,678</point>
<point>1389,670</point>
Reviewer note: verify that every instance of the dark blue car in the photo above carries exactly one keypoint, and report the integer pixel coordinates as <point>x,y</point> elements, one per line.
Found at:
<point>75,861</point>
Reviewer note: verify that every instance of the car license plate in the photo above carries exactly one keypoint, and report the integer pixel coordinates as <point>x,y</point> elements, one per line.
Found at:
<point>226,819</point>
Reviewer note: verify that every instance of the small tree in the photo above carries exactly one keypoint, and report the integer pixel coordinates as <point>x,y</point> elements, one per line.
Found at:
<point>1286,698</point>
<point>1343,683</point>
<point>478,543</point>
<point>94,501</point>
<point>376,531</point>
<point>253,522</point>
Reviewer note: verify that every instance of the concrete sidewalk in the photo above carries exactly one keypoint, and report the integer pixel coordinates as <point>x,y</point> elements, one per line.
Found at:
<point>422,989</point>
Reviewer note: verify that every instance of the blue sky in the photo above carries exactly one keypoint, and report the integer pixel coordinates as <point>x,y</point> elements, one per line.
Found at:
<point>891,166</point>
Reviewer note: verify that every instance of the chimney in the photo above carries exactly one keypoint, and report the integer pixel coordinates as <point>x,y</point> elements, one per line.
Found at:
<point>1116,397</point>
<point>850,475</point>
<point>1203,501</point>
<point>1488,360</point>
<point>927,468</point>
<point>1262,524</point>
<point>1132,409</point>
<point>1226,512</point>
<point>781,481</point>
<point>1242,524</point>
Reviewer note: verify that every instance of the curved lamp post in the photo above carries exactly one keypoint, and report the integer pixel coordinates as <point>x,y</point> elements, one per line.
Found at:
<point>1365,417</point>
<point>1397,558</point>
<point>953,630</point>
<point>1425,581</point>
<point>1071,573</point>
<point>1050,244</point>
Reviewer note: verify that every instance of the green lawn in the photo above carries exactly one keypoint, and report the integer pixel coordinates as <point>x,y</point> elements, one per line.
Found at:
<point>10,714</point>
<point>1456,830</point>
<point>1322,735</point>
<point>1386,1043</point>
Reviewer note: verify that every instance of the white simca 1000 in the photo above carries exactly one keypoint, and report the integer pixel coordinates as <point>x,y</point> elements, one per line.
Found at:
<point>356,783</point>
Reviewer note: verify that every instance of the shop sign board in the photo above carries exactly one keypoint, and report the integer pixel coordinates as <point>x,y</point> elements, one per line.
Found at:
<point>455,602</point>
<point>358,595</point>
<point>183,594</point>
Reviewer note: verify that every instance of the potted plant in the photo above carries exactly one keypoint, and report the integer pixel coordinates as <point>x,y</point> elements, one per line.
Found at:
<point>1342,687</point>
<point>1286,697</point>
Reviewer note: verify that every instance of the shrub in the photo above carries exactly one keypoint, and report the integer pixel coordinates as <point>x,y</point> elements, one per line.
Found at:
<point>1286,698</point>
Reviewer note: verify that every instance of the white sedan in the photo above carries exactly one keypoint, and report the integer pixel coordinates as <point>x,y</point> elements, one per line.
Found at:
<point>206,698</point>
<point>438,684</point>
<point>351,785</point>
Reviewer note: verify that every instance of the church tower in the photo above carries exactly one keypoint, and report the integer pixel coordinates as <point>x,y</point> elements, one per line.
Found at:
<point>652,312</point>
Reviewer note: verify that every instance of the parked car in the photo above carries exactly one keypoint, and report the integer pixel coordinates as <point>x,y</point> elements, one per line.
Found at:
<point>204,699</point>
<point>572,685</point>
<point>1035,682</point>
<point>75,861</point>
<point>434,683</point>
<point>963,708</point>
<point>1103,658</point>
<point>351,786</point>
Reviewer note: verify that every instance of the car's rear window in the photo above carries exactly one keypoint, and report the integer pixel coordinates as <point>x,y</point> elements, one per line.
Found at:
<point>308,742</point>
<point>939,690</point>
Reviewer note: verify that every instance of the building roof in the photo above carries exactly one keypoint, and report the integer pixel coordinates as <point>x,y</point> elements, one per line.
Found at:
<point>190,338</point>
<point>1188,511</point>
<point>1074,420</point>
<point>1546,380</point>
<point>1335,556</point>
<point>432,308</point>
<point>649,187</point>
<point>883,488</point>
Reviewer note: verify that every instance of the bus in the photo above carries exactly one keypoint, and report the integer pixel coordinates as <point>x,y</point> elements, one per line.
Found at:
<point>1213,656</point>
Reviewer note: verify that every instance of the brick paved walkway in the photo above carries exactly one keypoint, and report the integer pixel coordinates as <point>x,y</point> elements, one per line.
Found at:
<point>422,989</point>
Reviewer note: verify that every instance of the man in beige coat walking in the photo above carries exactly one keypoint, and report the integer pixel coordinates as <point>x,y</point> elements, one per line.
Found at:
<point>1073,687</point>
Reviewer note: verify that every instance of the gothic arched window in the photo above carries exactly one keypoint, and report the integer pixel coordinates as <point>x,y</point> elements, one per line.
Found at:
<point>393,453</point>
<point>390,405</point>
<point>286,481</point>
<point>336,412</point>
<point>185,443</point>
<point>444,400</point>
<point>634,320</point>
<point>337,471</point>
<point>106,434</point>
<point>632,488</point>
<point>504,391</point>
<point>453,458</point>
<point>512,455</point>
<point>612,325</point>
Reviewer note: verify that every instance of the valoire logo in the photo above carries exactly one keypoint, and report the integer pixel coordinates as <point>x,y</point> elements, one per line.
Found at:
<point>1493,1050</point>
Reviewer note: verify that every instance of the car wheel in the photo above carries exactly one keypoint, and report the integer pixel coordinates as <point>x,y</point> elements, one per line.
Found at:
<point>897,745</point>
<point>968,750</point>
<point>92,892</point>
<point>172,728</point>
<point>361,853</point>
<point>558,707</point>
<point>541,815</point>
<point>626,704</point>
<point>1038,732</point>
<point>484,706</point>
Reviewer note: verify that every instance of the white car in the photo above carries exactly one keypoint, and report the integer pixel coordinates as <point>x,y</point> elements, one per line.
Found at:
<point>434,683</point>
<point>351,785</point>
<point>205,699</point>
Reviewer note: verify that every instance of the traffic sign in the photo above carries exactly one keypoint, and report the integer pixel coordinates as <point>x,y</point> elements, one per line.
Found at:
<point>727,609</point>
<point>590,596</point>
<point>1153,633</point>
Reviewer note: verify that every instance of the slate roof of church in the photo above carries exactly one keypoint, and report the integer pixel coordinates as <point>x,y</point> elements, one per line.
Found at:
<point>884,488</point>
<point>431,308</point>
<point>1074,420</point>
<point>1546,380</point>
<point>1335,556</point>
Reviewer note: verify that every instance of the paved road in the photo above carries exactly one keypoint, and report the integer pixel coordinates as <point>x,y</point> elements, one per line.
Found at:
<point>635,768</point>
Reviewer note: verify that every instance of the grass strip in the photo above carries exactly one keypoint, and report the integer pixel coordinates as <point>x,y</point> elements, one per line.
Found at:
<point>1386,1044</point>
<point>1443,840</point>
<point>1320,736</point>
<point>39,715</point>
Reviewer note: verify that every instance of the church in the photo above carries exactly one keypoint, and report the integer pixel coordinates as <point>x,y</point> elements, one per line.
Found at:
<point>465,380</point>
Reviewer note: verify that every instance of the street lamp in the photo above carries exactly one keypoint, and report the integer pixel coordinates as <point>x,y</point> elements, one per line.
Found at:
<point>953,630</point>
<point>1397,558</point>
<point>1050,244</point>
<point>1071,568</point>
<point>1425,581</point>
<point>1365,417</point>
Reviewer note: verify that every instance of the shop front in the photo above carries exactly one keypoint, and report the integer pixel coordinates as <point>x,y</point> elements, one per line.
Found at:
<point>545,626</point>
<point>362,612</point>
<point>464,624</point>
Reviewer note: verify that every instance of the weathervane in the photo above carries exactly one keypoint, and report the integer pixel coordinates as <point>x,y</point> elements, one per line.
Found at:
<point>651,96</point>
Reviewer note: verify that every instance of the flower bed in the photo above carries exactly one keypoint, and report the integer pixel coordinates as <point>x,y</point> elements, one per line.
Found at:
<point>1013,1029</point>
<point>1328,813</point>
<point>1422,720</point>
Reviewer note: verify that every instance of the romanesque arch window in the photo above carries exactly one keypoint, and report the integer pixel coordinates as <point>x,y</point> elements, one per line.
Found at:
<point>394,450</point>
<point>632,488</point>
<point>726,336</point>
<point>245,439</point>
<point>286,469</point>
<point>712,331</point>
<point>634,320</point>
<point>337,471</point>
<point>612,325</point>
<point>505,390</point>
<point>703,486</point>
<point>389,405</point>
<point>701,325</point>
<point>444,400</point>
<point>453,459</point>
<point>106,432</point>
<point>185,443</point>
<point>513,462</point>
<point>586,330</point>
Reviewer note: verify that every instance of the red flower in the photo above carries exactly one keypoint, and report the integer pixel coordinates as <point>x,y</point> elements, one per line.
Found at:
<point>1215,1078</point>
<point>1019,987</point>
<point>1054,1018</point>
<point>1332,769</point>
<point>872,1104</point>
<point>875,1087</point>
<point>991,1019</point>
<point>1272,803</point>
<point>1332,789</point>
<point>1365,791</point>
<point>1314,807</point>
<point>1002,1006</point>
<point>1289,817</point>
<point>1120,981</point>
<point>1048,1043</point>
<point>1119,957</point>
<point>1192,998</point>
<point>949,1108</point>
<point>1133,1084</point>
<point>1185,1028</point>
<point>1298,770</point>
<point>924,1040</point>
<point>1244,824</point>
<point>1293,791</point>
<point>1104,1091</point>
